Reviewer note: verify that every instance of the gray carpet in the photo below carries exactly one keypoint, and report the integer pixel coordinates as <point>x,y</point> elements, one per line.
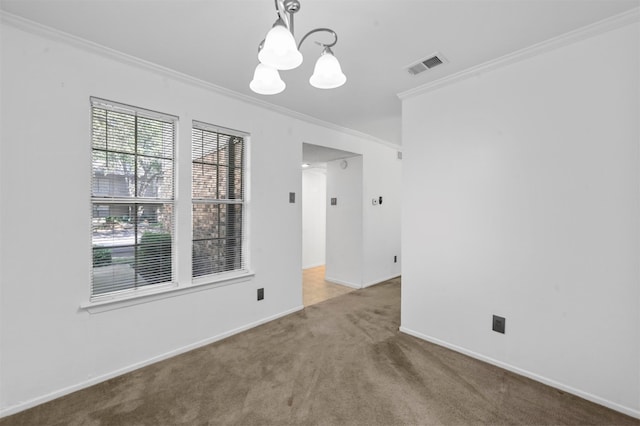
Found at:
<point>341,362</point>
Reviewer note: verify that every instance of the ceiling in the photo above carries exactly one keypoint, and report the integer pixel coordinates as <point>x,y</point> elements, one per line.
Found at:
<point>217,41</point>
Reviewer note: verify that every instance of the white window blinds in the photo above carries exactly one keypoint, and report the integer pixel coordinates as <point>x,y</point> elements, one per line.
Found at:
<point>132,197</point>
<point>218,171</point>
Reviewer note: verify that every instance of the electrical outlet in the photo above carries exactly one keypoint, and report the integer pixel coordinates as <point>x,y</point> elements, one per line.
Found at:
<point>260,293</point>
<point>334,201</point>
<point>499,324</point>
<point>292,197</point>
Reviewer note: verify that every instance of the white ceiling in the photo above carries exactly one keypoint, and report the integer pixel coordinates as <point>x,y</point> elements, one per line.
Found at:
<point>217,41</point>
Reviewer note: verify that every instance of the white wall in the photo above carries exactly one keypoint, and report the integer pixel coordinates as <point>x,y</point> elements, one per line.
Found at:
<point>344,222</point>
<point>314,216</point>
<point>381,224</point>
<point>521,199</point>
<point>48,345</point>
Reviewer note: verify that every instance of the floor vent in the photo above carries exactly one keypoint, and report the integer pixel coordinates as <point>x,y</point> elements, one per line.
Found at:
<point>426,64</point>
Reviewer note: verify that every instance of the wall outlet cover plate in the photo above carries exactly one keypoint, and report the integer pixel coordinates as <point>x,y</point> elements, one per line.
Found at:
<point>499,324</point>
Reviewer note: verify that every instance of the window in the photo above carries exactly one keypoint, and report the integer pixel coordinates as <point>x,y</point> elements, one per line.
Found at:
<point>132,197</point>
<point>218,200</point>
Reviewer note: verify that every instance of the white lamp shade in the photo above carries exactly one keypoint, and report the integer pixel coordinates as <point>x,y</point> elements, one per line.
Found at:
<point>327,73</point>
<point>266,81</point>
<point>280,50</point>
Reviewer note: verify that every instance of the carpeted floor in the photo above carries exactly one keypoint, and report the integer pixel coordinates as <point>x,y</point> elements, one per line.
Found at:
<point>341,362</point>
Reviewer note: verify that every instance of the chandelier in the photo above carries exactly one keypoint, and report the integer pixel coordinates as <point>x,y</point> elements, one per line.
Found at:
<point>278,51</point>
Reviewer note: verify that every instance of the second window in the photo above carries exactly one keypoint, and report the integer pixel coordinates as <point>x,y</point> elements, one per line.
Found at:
<point>218,200</point>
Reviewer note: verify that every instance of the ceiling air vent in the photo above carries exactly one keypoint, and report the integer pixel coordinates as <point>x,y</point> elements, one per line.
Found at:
<point>426,64</point>
<point>432,62</point>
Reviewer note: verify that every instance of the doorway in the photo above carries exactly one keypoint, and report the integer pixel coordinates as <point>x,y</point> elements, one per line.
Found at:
<point>318,169</point>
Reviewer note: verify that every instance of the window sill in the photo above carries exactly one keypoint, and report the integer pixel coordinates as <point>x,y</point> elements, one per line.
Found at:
<point>108,303</point>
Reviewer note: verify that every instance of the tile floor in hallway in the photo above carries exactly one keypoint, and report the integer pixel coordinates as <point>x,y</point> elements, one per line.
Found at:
<point>315,289</point>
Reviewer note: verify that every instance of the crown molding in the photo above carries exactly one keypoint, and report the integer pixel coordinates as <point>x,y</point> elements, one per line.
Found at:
<point>84,44</point>
<point>605,25</point>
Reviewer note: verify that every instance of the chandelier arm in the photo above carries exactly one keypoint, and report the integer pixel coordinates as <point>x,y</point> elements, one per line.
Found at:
<point>316,31</point>
<point>285,14</point>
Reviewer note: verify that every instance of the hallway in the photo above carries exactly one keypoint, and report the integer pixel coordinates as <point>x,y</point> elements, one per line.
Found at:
<point>315,289</point>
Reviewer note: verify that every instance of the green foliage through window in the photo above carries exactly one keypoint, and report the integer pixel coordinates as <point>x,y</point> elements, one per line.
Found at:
<point>132,196</point>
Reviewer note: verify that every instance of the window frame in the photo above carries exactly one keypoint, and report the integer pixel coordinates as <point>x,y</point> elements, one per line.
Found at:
<point>182,169</point>
<point>133,200</point>
<point>242,201</point>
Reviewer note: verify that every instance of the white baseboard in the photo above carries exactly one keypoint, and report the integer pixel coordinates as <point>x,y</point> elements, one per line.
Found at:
<point>585,395</point>
<point>380,280</point>
<point>336,281</point>
<point>352,285</point>
<point>95,380</point>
